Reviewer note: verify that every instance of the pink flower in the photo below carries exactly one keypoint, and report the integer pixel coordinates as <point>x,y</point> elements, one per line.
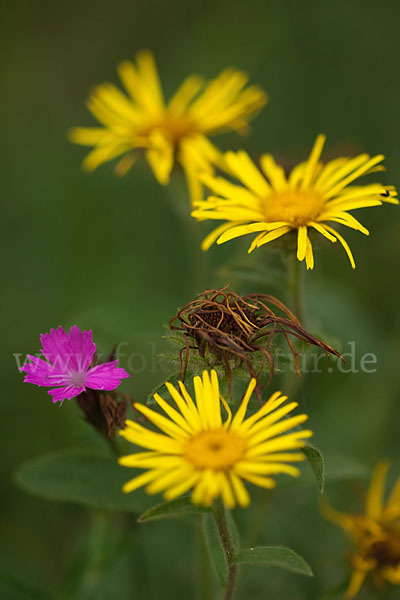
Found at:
<point>66,368</point>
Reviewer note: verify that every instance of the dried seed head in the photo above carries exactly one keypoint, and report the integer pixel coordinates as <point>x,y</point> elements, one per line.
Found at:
<point>103,411</point>
<point>233,327</point>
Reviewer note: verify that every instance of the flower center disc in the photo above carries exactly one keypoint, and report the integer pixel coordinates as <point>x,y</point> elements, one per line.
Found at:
<point>173,127</point>
<point>387,552</point>
<point>217,449</point>
<point>77,378</point>
<point>295,207</point>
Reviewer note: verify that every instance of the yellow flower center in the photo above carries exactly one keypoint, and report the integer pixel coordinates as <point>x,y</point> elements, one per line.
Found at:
<point>217,449</point>
<point>387,552</point>
<point>294,206</point>
<point>174,127</point>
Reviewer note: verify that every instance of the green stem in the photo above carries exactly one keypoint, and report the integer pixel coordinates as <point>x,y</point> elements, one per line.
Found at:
<point>295,286</point>
<point>227,544</point>
<point>295,301</point>
<point>180,203</point>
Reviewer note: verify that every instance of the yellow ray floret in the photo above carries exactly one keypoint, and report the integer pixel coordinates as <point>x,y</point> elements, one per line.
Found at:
<point>196,449</point>
<point>310,198</point>
<point>178,130</point>
<point>375,534</point>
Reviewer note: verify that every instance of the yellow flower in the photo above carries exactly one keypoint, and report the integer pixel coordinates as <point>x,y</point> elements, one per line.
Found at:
<point>166,132</point>
<point>273,204</point>
<point>197,450</point>
<point>376,534</point>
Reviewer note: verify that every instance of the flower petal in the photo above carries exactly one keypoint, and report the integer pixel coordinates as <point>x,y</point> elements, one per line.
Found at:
<point>71,351</point>
<point>105,377</point>
<point>79,349</point>
<point>66,393</point>
<point>53,345</point>
<point>374,501</point>
<point>43,373</point>
<point>302,242</point>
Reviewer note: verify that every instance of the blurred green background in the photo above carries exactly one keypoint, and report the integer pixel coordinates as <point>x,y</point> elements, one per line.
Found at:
<point>116,255</point>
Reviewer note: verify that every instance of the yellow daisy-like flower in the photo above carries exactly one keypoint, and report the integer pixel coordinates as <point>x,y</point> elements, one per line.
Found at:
<point>376,534</point>
<point>166,132</point>
<point>197,450</point>
<point>272,204</point>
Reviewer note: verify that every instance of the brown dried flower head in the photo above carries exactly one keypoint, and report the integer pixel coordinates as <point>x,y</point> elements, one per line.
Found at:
<point>231,327</point>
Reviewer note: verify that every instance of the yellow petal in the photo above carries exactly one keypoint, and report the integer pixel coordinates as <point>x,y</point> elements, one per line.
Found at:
<point>239,490</point>
<point>310,165</point>
<point>275,173</point>
<point>247,172</point>
<point>214,235</point>
<point>356,581</point>
<point>160,156</point>
<point>185,93</point>
<point>344,244</point>
<point>301,242</point>
<point>272,235</point>
<point>374,500</point>
<point>241,412</point>
<point>309,255</point>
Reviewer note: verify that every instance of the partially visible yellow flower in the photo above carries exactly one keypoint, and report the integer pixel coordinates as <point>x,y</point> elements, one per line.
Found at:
<point>272,204</point>
<point>170,132</point>
<point>196,450</point>
<point>376,534</point>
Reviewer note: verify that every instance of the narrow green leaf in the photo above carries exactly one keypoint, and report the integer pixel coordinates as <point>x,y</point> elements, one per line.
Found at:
<point>215,549</point>
<point>174,508</point>
<point>82,476</point>
<point>317,464</point>
<point>233,530</point>
<point>274,556</point>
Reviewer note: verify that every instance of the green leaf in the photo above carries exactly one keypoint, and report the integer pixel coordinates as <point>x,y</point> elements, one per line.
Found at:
<point>82,476</point>
<point>274,556</point>
<point>317,464</point>
<point>174,508</point>
<point>215,549</point>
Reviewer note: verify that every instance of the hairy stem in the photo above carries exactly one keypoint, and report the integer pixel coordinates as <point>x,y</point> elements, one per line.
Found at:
<point>227,544</point>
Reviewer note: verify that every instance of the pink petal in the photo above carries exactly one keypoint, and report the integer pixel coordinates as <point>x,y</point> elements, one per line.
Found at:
<point>71,351</point>
<point>105,377</point>
<point>80,348</point>
<point>66,393</point>
<point>40,372</point>
<point>53,345</point>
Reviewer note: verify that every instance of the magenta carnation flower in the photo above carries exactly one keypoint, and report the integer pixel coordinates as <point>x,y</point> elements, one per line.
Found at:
<point>66,368</point>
